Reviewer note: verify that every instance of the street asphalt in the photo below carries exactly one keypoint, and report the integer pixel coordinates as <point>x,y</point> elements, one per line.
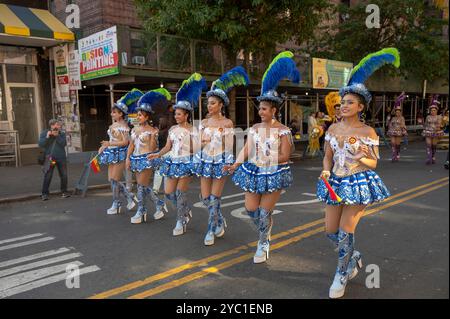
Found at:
<point>405,240</point>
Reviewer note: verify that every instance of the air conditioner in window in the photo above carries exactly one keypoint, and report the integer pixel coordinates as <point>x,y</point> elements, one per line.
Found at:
<point>139,60</point>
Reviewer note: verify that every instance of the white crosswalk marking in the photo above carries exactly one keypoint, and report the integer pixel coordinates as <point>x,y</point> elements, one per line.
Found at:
<point>38,269</point>
<point>17,269</point>
<point>43,282</point>
<point>26,243</point>
<point>10,240</point>
<point>25,277</point>
<point>33,257</point>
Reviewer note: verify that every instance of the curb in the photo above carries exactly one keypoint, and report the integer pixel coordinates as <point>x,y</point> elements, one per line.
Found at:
<point>25,197</point>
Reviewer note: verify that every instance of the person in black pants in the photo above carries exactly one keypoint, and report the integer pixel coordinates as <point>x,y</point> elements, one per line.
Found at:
<point>53,141</point>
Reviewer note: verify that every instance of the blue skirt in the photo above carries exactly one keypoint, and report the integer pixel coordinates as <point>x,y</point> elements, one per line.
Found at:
<point>113,155</point>
<point>211,166</point>
<point>138,163</point>
<point>176,167</point>
<point>358,189</point>
<point>263,180</point>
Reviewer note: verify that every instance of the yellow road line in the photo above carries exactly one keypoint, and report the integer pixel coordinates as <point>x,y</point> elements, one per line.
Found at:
<point>210,270</point>
<point>202,262</point>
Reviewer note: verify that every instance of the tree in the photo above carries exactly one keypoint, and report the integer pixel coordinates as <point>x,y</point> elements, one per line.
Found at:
<point>253,26</point>
<point>414,27</point>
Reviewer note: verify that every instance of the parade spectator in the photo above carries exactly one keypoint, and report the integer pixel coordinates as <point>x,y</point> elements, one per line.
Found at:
<point>53,141</point>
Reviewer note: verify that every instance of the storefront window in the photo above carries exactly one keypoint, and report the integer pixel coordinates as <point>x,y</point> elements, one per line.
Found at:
<point>17,55</point>
<point>20,73</point>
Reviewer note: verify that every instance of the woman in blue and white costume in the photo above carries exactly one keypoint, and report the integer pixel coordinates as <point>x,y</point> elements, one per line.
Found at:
<point>351,154</point>
<point>268,148</point>
<point>217,140</point>
<point>144,141</point>
<point>114,152</point>
<point>182,142</point>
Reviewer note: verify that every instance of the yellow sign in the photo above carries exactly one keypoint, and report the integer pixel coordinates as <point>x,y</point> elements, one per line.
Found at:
<point>330,74</point>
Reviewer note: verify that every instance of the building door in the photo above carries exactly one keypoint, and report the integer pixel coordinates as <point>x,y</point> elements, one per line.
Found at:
<point>22,104</point>
<point>24,116</point>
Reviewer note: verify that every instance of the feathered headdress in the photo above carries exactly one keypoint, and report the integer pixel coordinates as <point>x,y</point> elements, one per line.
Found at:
<point>190,91</point>
<point>235,77</point>
<point>399,101</point>
<point>127,103</point>
<point>331,100</point>
<point>282,67</point>
<point>366,68</point>
<point>434,102</point>
<point>152,97</point>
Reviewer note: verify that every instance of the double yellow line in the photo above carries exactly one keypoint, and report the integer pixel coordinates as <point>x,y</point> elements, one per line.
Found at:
<point>393,200</point>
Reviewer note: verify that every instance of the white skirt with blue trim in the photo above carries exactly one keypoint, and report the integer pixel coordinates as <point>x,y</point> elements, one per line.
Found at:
<point>211,166</point>
<point>138,163</point>
<point>113,155</point>
<point>176,167</point>
<point>362,188</point>
<point>262,180</point>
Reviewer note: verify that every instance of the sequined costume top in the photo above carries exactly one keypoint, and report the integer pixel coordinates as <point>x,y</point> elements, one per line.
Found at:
<point>181,141</point>
<point>344,150</point>
<point>397,126</point>
<point>266,144</point>
<point>118,132</point>
<point>433,126</point>
<point>221,139</point>
<point>144,141</point>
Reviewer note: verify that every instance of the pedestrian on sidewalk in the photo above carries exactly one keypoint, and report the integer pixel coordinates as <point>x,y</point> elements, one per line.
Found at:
<point>144,141</point>
<point>262,167</point>
<point>351,155</point>
<point>182,143</point>
<point>53,141</point>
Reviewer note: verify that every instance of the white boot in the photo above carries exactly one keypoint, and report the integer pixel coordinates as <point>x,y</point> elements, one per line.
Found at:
<point>179,229</point>
<point>139,217</point>
<point>337,289</point>
<point>160,213</point>
<point>114,209</point>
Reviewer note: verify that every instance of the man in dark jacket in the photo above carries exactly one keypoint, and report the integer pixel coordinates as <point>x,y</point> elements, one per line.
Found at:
<point>53,141</point>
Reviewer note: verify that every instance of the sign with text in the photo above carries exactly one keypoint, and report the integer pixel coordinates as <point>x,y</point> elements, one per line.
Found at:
<point>74,70</point>
<point>60,54</point>
<point>99,54</point>
<point>330,74</point>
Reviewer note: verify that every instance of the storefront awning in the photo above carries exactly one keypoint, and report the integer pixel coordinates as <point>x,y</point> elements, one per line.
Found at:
<point>31,27</point>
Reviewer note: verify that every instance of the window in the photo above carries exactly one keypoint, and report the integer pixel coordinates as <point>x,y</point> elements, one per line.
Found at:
<point>19,73</point>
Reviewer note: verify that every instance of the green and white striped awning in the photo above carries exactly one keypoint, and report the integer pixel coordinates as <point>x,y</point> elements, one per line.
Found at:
<point>31,27</point>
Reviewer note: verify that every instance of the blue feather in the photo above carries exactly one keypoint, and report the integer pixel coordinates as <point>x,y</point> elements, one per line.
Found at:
<point>373,62</point>
<point>234,77</point>
<point>152,97</point>
<point>191,89</point>
<point>283,68</point>
<point>130,99</point>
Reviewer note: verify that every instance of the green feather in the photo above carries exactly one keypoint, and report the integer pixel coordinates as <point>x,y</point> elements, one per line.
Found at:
<point>164,92</point>
<point>192,78</point>
<point>285,54</point>
<point>392,51</point>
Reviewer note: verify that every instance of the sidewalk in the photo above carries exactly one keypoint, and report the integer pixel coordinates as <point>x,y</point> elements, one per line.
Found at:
<point>26,182</point>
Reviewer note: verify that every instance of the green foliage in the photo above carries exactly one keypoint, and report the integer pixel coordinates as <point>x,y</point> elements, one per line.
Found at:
<point>412,26</point>
<point>253,26</point>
